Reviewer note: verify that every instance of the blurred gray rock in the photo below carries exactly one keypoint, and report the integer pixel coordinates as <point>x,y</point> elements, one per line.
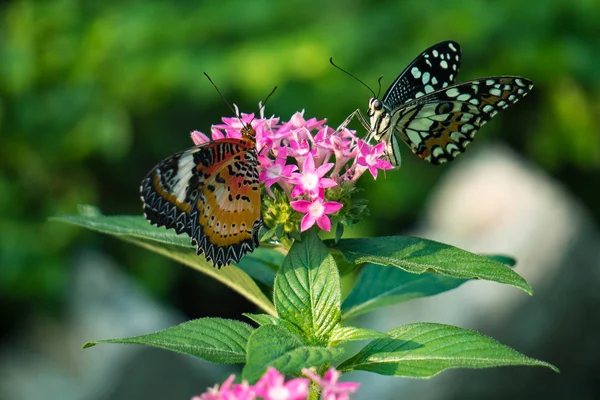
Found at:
<point>495,202</point>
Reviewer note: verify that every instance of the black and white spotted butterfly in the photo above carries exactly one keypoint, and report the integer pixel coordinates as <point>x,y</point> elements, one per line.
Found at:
<point>434,117</point>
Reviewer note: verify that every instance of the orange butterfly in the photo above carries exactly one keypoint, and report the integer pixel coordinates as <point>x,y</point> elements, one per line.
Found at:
<point>210,192</point>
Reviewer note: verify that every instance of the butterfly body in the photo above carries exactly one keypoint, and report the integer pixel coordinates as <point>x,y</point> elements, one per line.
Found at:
<point>210,192</point>
<point>436,118</point>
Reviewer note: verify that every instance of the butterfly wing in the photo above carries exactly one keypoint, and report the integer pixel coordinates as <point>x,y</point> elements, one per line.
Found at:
<point>434,69</point>
<point>439,126</point>
<point>211,193</point>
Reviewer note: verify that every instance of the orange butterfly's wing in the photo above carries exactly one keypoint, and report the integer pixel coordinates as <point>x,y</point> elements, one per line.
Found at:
<point>212,193</point>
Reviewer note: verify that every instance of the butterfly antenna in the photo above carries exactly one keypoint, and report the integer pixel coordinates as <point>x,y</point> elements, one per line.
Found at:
<point>221,94</point>
<point>348,73</point>
<point>379,83</point>
<point>261,104</point>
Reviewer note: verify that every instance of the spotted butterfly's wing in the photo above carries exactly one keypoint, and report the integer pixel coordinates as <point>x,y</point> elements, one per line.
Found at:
<point>211,193</point>
<point>434,69</point>
<point>439,126</point>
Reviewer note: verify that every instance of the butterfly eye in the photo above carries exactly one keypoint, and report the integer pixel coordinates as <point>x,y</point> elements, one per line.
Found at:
<point>377,105</point>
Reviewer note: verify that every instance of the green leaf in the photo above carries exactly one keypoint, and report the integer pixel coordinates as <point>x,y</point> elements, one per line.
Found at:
<point>343,334</point>
<point>418,255</point>
<point>262,264</point>
<point>423,350</point>
<point>137,230</point>
<point>263,319</point>
<point>274,346</point>
<point>379,286</point>
<point>307,289</point>
<point>213,339</point>
<point>266,319</point>
<point>506,260</point>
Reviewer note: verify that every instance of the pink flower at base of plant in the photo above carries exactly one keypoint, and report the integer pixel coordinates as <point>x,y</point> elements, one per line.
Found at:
<point>331,389</point>
<point>217,392</point>
<point>316,211</point>
<point>370,157</point>
<point>311,180</point>
<point>272,386</point>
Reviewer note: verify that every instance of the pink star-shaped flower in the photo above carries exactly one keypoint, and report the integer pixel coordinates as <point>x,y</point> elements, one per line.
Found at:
<point>311,180</point>
<point>273,387</point>
<point>370,157</point>
<point>274,170</point>
<point>316,211</point>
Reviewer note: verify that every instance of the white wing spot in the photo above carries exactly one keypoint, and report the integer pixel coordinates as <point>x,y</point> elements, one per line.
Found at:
<point>429,89</point>
<point>474,101</point>
<point>487,108</point>
<point>425,78</point>
<point>495,92</point>
<point>435,53</point>
<point>444,64</point>
<point>434,81</point>
<point>437,151</point>
<point>463,97</point>
<point>451,45</point>
<point>457,136</point>
<point>452,92</point>
<point>452,148</point>
<point>490,82</point>
<point>415,72</point>
<point>466,128</point>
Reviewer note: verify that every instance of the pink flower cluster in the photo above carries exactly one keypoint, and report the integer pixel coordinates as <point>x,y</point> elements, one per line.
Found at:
<point>305,158</point>
<point>272,386</point>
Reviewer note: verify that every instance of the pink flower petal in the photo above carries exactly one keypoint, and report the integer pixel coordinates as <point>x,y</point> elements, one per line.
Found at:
<point>307,222</point>
<point>324,223</point>
<point>331,207</point>
<point>199,138</point>
<point>300,205</point>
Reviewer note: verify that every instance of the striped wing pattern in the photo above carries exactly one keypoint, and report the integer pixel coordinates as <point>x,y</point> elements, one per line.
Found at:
<point>211,193</point>
<point>439,126</point>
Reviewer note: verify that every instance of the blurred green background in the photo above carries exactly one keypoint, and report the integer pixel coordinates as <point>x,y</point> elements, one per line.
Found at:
<point>93,94</point>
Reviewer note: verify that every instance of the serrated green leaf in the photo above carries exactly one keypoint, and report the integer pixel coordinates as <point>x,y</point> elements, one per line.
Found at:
<point>423,350</point>
<point>266,319</point>
<point>416,255</point>
<point>307,289</point>
<point>137,230</point>
<point>274,346</point>
<point>262,319</point>
<point>342,334</point>
<point>213,339</point>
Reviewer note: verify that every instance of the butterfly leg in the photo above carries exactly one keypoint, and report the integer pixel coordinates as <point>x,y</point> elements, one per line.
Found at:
<point>355,114</point>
